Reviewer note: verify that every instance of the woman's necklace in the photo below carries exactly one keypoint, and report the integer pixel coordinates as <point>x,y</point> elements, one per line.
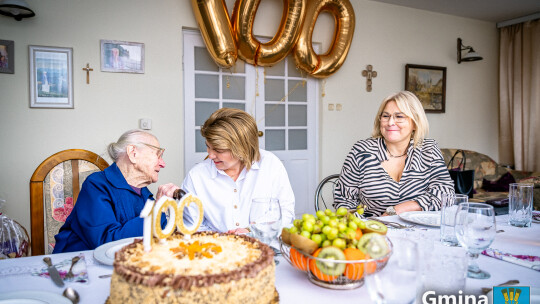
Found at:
<point>398,156</point>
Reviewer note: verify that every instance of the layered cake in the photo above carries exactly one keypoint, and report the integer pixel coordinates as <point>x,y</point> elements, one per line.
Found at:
<point>207,268</point>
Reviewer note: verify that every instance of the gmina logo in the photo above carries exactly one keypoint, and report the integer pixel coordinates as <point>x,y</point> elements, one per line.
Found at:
<point>512,295</point>
<point>431,297</point>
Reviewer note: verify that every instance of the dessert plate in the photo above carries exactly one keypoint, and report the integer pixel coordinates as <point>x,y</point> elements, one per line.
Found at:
<point>426,218</point>
<point>105,253</point>
<point>32,297</point>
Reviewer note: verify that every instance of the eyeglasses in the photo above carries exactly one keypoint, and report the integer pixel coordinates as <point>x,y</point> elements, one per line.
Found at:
<point>160,150</point>
<point>398,117</point>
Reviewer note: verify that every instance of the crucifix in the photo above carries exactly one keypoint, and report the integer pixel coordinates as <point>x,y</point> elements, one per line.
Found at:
<point>88,69</point>
<point>369,74</point>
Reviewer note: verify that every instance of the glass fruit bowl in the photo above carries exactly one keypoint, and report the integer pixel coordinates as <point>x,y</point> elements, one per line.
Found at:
<point>347,274</point>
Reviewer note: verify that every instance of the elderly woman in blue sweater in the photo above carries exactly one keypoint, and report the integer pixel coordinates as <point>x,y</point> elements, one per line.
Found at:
<point>110,201</point>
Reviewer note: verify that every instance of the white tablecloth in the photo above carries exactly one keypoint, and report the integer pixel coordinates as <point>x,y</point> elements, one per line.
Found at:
<point>292,285</point>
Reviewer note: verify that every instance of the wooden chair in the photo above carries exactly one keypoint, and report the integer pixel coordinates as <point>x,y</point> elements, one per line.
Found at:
<point>54,188</point>
<point>324,194</point>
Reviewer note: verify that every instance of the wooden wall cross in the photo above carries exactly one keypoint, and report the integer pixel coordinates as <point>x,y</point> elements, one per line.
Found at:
<point>88,69</point>
<point>369,74</point>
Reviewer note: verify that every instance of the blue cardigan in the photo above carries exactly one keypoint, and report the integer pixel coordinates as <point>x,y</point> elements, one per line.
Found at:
<point>106,210</point>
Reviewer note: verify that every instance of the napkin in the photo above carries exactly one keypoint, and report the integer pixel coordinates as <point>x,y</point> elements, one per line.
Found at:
<point>528,261</point>
<point>80,274</point>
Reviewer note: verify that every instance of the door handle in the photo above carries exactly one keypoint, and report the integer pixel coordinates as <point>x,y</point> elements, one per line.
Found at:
<point>261,133</point>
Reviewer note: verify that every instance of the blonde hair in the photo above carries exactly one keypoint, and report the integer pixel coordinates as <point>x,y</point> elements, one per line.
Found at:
<point>409,105</point>
<point>235,130</point>
<point>118,148</point>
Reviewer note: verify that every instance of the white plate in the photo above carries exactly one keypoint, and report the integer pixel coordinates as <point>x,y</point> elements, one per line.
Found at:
<point>105,253</point>
<point>535,295</point>
<point>427,218</point>
<point>33,297</point>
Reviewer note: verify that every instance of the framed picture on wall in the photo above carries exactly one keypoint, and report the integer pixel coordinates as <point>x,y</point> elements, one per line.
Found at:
<point>122,56</point>
<point>51,77</point>
<point>428,83</point>
<point>7,56</point>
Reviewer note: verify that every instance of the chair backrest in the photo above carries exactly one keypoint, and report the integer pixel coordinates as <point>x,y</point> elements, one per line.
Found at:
<point>54,188</point>
<point>324,195</point>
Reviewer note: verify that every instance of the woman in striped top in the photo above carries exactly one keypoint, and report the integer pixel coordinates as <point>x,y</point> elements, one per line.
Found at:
<point>398,169</point>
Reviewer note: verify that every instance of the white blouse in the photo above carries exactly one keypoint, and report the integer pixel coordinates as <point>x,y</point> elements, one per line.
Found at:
<point>227,203</point>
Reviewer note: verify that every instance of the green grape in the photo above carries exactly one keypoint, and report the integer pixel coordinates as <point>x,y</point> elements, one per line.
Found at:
<point>297,223</point>
<point>333,223</point>
<point>350,233</point>
<point>324,237</point>
<point>342,227</point>
<point>305,234</point>
<point>307,216</point>
<point>326,243</point>
<point>332,234</point>
<point>362,225</point>
<point>317,238</point>
<point>325,219</point>
<point>339,243</point>
<point>328,212</point>
<point>360,209</point>
<point>317,228</point>
<point>353,225</point>
<point>320,214</point>
<point>293,229</point>
<point>342,211</point>
<point>326,229</point>
<point>307,226</point>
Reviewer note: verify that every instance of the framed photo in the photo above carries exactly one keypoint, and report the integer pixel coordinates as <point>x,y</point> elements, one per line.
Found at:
<point>428,83</point>
<point>122,56</point>
<point>51,77</point>
<point>7,56</point>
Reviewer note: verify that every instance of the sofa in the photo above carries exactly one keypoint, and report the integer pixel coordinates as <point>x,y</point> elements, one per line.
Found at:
<point>488,174</point>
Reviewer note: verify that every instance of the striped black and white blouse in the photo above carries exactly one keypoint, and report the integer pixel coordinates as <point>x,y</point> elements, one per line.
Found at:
<point>363,180</point>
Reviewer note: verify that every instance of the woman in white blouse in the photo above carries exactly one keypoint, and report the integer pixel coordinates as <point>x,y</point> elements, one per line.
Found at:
<point>235,172</point>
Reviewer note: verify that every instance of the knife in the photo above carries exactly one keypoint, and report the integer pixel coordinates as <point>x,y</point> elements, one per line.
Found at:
<point>53,272</point>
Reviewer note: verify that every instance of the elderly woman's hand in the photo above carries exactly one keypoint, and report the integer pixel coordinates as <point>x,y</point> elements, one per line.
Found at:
<point>167,190</point>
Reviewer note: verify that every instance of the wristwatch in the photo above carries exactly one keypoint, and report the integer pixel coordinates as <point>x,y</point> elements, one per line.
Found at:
<point>391,211</point>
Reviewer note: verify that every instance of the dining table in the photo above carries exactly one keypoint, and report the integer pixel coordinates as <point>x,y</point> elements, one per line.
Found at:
<point>293,286</point>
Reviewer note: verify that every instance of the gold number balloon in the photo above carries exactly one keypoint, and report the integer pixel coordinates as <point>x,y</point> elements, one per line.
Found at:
<point>253,51</point>
<point>216,30</point>
<point>322,66</point>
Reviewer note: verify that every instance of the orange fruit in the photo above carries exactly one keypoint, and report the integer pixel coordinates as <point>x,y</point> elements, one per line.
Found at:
<point>354,271</point>
<point>358,234</point>
<point>316,271</point>
<point>299,260</point>
<point>371,266</point>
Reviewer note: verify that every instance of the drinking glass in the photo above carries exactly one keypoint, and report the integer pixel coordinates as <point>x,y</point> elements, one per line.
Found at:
<point>265,220</point>
<point>396,283</point>
<point>475,231</point>
<point>449,207</point>
<point>520,205</point>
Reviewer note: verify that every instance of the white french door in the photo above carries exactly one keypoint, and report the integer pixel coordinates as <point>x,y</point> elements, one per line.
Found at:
<point>282,100</point>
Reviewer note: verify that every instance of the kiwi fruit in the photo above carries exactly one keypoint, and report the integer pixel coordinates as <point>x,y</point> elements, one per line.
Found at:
<point>374,226</point>
<point>329,268</point>
<point>302,243</point>
<point>286,236</point>
<point>373,244</point>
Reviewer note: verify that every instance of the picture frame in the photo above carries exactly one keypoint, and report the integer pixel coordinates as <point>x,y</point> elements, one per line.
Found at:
<point>428,83</point>
<point>7,56</point>
<point>122,56</point>
<point>51,77</point>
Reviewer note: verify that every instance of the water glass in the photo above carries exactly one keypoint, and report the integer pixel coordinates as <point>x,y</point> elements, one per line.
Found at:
<point>396,283</point>
<point>475,231</point>
<point>265,219</point>
<point>520,205</point>
<point>443,271</point>
<point>449,206</point>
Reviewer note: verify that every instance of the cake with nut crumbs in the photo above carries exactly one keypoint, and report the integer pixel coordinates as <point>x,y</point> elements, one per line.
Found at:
<point>206,268</point>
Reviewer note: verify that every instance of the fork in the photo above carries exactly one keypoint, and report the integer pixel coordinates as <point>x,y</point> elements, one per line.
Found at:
<point>394,224</point>
<point>73,262</point>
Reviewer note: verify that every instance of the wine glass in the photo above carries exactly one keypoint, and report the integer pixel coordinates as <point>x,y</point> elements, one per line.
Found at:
<point>475,230</point>
<point>396,283</point>
<point>265,220</point>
